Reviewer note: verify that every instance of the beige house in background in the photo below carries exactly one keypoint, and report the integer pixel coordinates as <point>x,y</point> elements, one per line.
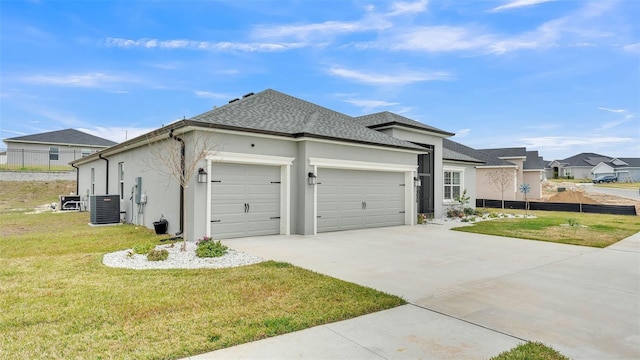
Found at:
<point>510,167</point>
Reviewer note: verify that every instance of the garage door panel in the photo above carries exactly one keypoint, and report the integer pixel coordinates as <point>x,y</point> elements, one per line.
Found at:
<point>341,194</point>
<point>245,200</point>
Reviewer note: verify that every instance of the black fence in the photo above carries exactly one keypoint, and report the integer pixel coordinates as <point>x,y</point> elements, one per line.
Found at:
<point>552,206</point>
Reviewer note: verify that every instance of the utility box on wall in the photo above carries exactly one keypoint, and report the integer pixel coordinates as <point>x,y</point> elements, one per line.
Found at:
<point>105,209</point>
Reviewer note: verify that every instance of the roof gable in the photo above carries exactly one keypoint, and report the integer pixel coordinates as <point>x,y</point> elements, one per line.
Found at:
<point>66,136</point>
<point>386,118</point>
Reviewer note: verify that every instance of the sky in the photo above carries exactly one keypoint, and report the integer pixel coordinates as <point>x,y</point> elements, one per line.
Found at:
<point>560,77</point>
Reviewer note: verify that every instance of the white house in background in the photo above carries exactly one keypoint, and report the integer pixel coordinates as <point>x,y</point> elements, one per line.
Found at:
<point>281,165</point>
<point>626,169</point>
<point>56,148</point>
<point>590,165</point>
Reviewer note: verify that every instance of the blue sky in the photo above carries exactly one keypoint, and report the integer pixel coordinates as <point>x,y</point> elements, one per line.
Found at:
<point>560,77</point>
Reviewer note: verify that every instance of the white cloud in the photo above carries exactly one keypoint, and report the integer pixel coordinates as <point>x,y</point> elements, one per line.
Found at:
<point>462,133</point>
<point>518,4</point>
<point>617,111</point>
<point>399,78</point>
<point>369,104</point>
<point>564,142</point>
<point>402,7</point>
<point>371,21</point>
<point>440,39</point>
<point>88,80</point>
<point>116,133</point>
<point>632,48</point>
<point>203,45</point>
<point>626,116</point>
<point>211,95</point>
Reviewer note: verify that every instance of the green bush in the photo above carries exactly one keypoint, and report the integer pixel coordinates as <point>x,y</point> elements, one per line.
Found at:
<point>469,211</point>
<point>209,248</point>
<point>573,222</point>
<point>158,255</point>
<point>143,248</point>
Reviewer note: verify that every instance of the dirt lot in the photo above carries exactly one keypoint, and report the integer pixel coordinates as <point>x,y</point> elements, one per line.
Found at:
<point>575,194</point>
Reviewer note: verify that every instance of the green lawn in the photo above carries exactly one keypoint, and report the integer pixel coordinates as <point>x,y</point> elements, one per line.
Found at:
<point>531,351</point>
<point>23,196</point>
<point>59,301</point>
<point>596,230</point>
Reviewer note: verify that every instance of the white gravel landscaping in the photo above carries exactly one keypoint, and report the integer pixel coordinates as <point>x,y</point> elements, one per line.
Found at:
<point>178,259</point>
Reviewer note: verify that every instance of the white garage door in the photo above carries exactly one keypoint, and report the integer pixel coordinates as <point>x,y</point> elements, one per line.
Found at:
<point>353,199</point>
<point>245,200</point>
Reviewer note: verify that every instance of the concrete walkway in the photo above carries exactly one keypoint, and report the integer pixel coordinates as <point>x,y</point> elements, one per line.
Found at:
<point>471,296</point>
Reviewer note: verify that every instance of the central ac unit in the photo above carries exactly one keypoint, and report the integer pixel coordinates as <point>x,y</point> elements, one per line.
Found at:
<point>105,209</point>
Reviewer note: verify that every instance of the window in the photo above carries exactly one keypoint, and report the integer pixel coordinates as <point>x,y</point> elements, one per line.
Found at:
<point>85,152</point>
<point>452,184</point>
<point>93,181</point>
<point>121,179</point>
<point>54,153</point>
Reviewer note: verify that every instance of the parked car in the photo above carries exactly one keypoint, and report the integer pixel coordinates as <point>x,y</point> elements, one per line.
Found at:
<point>605,179</point>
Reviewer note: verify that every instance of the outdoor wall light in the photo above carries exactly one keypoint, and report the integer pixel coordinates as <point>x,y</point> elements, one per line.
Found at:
<point>416,181</point>
<point>313,179</point>
<point>202,176</point>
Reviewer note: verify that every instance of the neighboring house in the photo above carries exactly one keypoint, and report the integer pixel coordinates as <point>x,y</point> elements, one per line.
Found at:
<point>281,165</point>
<point>590,165</point>
<point>509,167</point>
<point>626,169</point>
<point>53,148</point>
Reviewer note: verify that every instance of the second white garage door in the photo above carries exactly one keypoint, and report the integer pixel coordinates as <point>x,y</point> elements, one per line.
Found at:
<point>245,200</point>
<point>355,199</point>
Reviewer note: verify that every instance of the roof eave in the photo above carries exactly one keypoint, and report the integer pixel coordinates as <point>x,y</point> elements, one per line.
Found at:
<point>391,124</point>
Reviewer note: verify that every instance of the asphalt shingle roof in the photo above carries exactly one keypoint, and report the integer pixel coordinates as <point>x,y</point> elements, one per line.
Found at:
<point>584,159</point>
<point>632,162</point>
<point>66,136</point>
<point>386,118</point>
<point>534,161</point>
<point>455,151</point>
<point>273,112</point>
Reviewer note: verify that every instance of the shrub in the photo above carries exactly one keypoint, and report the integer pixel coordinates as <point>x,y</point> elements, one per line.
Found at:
<point>573,222</point>
<point>143,248</point>
<point>469,211</point>
<point>493,215</point>
<point>157,255</point>
<point>209,248</point>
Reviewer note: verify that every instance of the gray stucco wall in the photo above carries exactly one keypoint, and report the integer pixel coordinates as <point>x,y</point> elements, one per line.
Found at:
<point>163,192</point>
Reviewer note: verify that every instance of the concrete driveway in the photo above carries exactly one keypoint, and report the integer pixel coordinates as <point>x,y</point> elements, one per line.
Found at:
<point>471,296</point>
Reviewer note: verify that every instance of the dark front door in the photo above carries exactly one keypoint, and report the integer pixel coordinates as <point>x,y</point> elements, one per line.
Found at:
<point>425,191</point>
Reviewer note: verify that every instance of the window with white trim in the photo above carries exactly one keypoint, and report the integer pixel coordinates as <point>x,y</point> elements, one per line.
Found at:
<point>452,184</point>
<point>85,152</point>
